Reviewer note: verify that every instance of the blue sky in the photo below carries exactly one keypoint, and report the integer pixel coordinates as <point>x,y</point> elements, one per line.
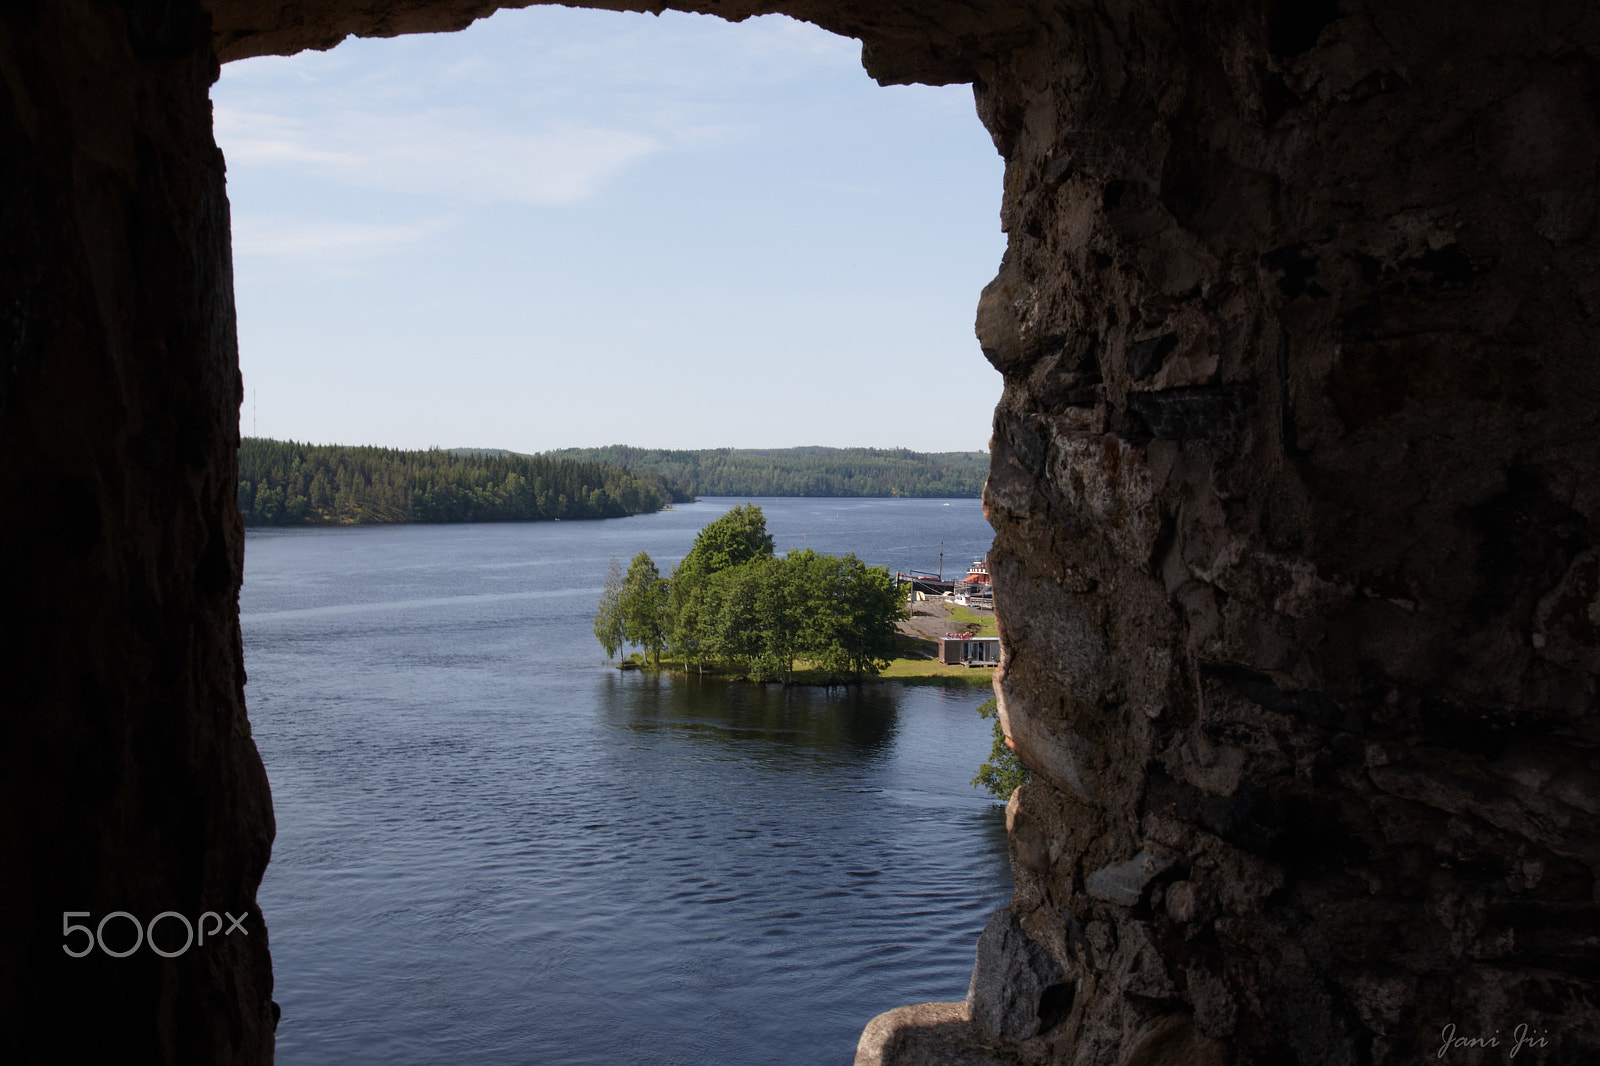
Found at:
<point>570,228</point>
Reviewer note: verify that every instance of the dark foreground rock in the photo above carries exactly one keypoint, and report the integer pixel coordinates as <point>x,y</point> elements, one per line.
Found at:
<point>1294,466</point>
<point>128,776</point>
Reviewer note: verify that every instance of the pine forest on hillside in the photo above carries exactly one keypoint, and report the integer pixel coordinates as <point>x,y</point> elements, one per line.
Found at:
<point>813,471</point>
<point>287,483</point>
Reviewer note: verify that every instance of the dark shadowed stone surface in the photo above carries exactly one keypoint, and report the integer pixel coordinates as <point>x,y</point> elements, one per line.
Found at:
<point>1298,597</point>
<point>1294,483</point>
<point>1199,412</point>
<point>129,779</point>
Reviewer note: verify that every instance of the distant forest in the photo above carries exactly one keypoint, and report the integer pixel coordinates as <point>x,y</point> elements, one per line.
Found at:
<point>800,471</point>
<point>285,483</point>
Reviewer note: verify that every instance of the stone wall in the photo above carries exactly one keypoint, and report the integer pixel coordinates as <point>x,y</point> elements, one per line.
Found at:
<point>129,779</point>
<point>1295,489</point>
<point>1294,486</point>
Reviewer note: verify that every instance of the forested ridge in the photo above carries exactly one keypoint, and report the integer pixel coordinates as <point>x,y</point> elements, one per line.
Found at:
<point>288,483</point>
<point>811,471</point>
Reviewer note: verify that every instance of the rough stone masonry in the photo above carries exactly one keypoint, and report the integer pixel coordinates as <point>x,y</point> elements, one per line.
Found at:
<point>1294,485</point>
<point>1294,482</point>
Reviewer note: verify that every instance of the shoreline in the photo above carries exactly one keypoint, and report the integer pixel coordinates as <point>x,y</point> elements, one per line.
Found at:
<point>911,672</point>
<point>916,665</point>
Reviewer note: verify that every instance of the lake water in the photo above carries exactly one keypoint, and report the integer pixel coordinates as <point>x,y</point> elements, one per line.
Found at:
<point>492,848</point>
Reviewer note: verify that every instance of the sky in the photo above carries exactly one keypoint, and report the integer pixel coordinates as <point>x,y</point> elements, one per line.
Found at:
<point>563,228</point>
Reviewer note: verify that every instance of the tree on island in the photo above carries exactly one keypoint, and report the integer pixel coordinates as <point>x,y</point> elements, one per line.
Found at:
<point>733,603</point>
<point>854,608</point>
<point>643,603</point>
<point>609,627</point>
<point>738,537</point>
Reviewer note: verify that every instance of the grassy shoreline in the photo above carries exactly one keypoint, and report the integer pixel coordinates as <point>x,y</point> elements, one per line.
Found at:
<point>933,672</point>
<point>900,671</point>
<point>916,664</point>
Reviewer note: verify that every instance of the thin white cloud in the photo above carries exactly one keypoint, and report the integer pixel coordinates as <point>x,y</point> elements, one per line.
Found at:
<point>513,110</point>
<point>301,239</point>
<point>437,153</point>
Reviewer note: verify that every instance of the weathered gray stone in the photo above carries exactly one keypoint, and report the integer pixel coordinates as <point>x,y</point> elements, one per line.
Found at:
<point>1009,980</point>
<point>928,1034</point>
<point>1123,883</point>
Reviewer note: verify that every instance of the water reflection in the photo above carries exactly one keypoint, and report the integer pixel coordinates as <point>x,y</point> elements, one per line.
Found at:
<point>857,722</point>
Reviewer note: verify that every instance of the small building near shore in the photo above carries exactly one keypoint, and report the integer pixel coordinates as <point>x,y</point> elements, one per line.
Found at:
<point>964,649</point>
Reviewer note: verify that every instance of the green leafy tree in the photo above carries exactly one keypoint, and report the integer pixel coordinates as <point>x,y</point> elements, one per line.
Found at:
<point>609,627</point>
<point>738,537</point>
<point>757,615</point>
<point>269,503</point>
<point>644,600</point>
<point>731,620</point>
<point>686,639</point>
<point>854,610</point>
<point>784,611</point>
<point>1004,773</point>
<point>698,604</point>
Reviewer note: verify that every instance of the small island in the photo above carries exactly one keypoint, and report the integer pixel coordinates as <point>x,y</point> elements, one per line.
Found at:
<point>732,608</point>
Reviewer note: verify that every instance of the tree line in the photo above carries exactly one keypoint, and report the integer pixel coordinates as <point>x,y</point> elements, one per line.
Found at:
<point>734,606</point>
<point>813,471</point>
<point>288,483</point>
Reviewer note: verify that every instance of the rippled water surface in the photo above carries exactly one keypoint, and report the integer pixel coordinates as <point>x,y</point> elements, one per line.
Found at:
<point>492,848</point>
